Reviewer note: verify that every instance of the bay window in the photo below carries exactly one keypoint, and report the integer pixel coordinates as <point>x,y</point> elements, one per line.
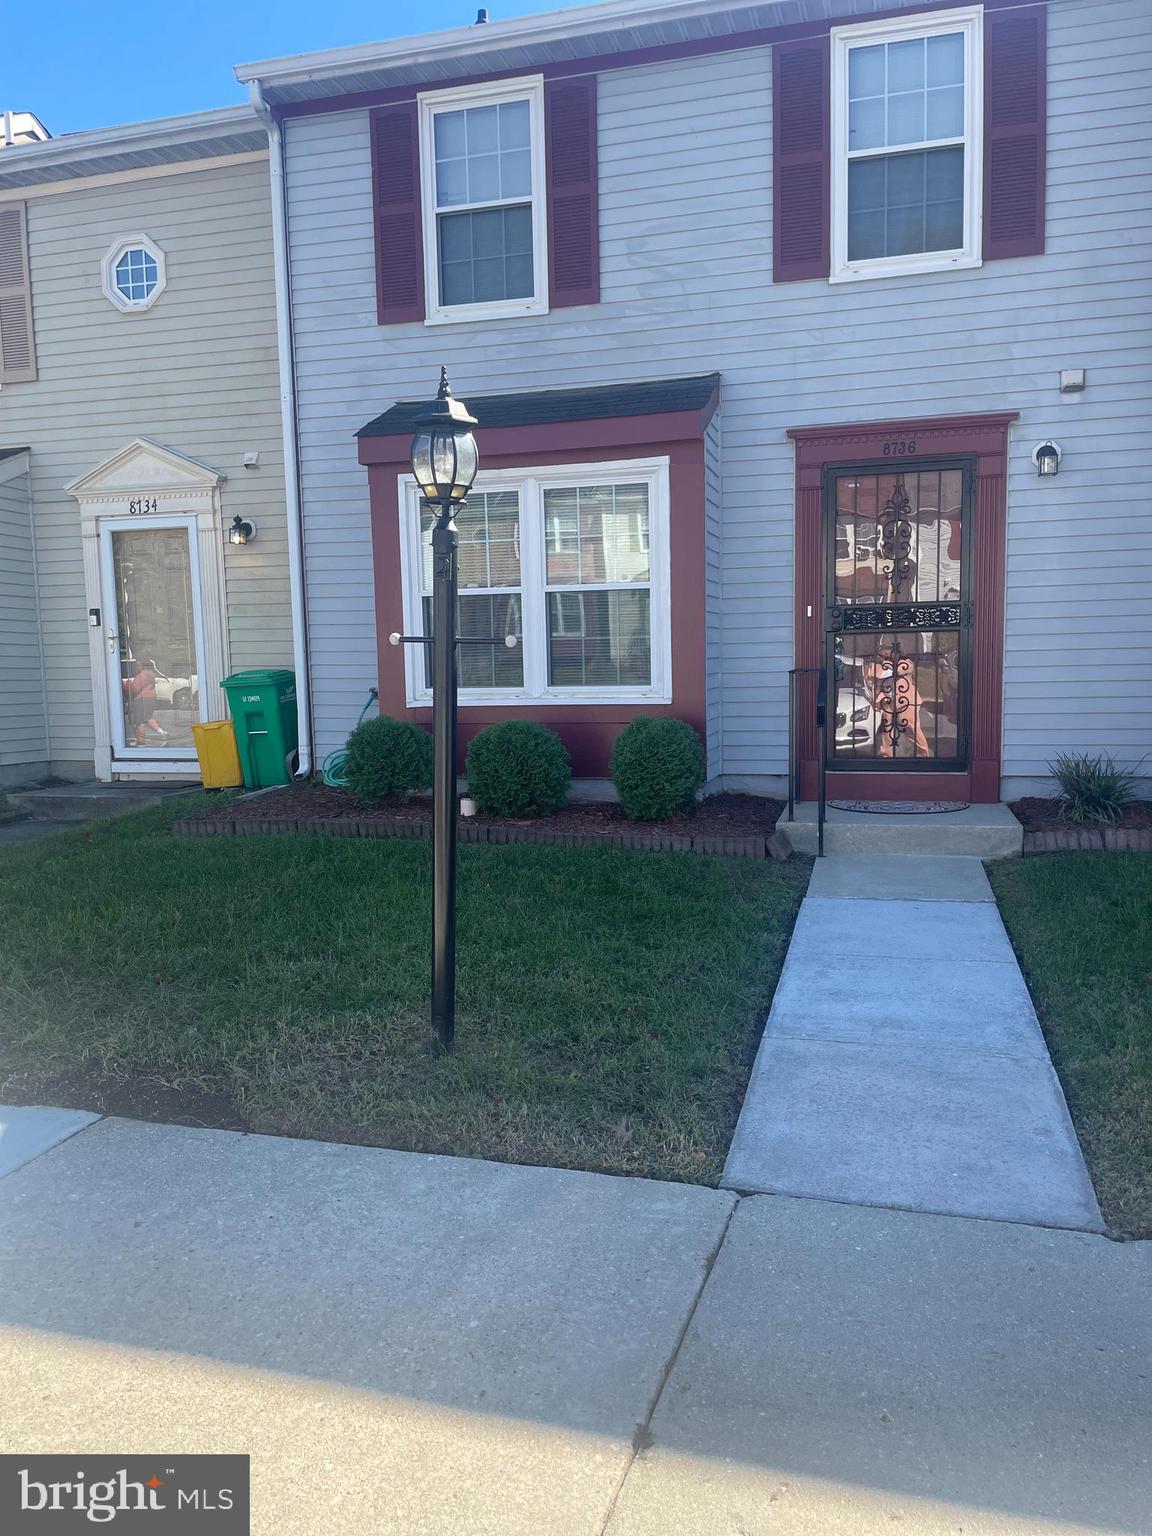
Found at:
<point>574,562</point>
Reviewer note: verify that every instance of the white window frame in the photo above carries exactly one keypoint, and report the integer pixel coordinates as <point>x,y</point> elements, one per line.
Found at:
<point>530,89</point>
<point>969,21</point>
<point>120,248</point>
<point>531,483</point>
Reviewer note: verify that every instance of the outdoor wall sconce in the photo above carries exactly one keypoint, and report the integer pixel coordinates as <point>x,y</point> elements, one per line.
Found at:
<point>242,531</point>
<point>1046,457</point>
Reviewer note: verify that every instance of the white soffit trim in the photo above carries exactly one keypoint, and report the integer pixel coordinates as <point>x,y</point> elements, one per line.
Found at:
<point>142,173</point>
<point>549,26</point>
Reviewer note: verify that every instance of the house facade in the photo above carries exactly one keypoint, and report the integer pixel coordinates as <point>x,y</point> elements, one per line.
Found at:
<point>771,319</point>
<point>140,434</point>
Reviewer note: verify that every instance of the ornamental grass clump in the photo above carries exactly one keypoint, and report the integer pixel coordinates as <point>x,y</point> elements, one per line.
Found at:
<point>1093,788</point>
<point>657,767</point>
<point>518,768</point>
<point>387,760</point>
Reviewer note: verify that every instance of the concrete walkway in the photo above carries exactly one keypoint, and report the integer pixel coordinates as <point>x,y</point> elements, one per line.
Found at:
<point>426,1346</point>
<point>902,1064</point>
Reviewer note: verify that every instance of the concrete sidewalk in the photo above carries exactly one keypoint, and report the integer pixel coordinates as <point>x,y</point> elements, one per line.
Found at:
<point>426,1346</point>
<point>902,1064</point>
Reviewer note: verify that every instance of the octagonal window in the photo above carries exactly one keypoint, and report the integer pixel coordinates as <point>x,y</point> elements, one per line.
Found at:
<point>133,274</point>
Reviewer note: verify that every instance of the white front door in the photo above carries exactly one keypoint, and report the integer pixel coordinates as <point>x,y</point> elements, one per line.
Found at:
<point>153,637</point>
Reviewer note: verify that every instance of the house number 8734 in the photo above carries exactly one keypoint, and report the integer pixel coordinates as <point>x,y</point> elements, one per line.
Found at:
<point>899,448</point>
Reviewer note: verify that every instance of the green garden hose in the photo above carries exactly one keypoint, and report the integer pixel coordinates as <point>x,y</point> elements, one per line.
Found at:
<point>333,766</point>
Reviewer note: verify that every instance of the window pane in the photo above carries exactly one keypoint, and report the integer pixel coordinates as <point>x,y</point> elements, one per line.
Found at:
<point>483,178</point>
<point>904,93</point>
<point>483,154</point>
<point>597,534</point>
<point>483,666</point>
<point>946,59</point>
<point>900,205</point>
<point>486,256</point>
<point>515,124</point>
<point>906,118</point>
<point>866,75</point>
<point>599,639</point>
<point>906,65</point>
<point>483,136</point>
<point>946,113</point>
<point>450,135</point>
<point>866,123</point>
<point>489,528</point>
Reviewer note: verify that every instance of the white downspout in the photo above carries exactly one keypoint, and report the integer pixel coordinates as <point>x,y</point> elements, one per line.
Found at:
<point>287,364</point>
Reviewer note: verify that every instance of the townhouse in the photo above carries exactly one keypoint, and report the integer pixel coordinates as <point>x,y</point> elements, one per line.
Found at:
<point>144,536</point>
<point>797,339</point>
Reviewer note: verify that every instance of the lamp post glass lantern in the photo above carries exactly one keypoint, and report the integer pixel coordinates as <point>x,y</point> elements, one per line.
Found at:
<point>444,465</point>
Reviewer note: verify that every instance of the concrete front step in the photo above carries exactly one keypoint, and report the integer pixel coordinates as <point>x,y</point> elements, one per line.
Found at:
<point>978,831</point>
<point>90,801</point>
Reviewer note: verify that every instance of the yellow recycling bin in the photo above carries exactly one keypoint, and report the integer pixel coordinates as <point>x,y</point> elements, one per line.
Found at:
<point>219,758</point>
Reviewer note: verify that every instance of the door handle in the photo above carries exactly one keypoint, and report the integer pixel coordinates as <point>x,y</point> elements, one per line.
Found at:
<point>113,640</point>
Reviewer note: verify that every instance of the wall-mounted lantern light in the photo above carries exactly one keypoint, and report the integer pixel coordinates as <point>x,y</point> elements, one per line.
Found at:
<point>242,531</point>
<point>1046,457</point>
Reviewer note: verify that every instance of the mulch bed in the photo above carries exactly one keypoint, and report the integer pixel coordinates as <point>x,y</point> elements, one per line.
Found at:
<point>740,825</point>
<point>1046,831</point>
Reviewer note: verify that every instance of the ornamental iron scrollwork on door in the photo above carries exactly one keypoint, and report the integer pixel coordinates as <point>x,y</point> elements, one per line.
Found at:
<point>897,616</point>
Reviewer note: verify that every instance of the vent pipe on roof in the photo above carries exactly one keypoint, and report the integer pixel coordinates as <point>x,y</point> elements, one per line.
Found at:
<point>481,17</point>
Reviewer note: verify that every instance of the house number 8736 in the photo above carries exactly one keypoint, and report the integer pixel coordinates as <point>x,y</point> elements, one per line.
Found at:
<point>899,448</point>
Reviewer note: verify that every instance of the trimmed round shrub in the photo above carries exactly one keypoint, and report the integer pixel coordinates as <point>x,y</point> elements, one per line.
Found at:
<point>387,759</point>
<point>657,767</point>
<point>518,768</point>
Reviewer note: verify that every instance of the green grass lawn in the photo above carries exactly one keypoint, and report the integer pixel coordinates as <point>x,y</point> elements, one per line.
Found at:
<point>1082,927</point>
<point>609,1002</point>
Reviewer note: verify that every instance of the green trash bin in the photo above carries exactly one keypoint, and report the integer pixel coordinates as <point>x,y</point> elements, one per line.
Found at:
<point>263,706</point>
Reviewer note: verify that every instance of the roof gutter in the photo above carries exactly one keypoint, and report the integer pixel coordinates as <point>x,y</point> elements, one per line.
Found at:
<point>613,15</point>
<point>287,367</point>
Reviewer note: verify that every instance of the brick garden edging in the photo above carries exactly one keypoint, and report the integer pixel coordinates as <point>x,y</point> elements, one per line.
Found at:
<point>1078,839</point>
<point>771,847</point>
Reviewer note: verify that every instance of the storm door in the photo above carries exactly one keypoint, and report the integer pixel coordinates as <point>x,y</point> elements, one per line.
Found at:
<point>897,616</point>
<point>153,635</point>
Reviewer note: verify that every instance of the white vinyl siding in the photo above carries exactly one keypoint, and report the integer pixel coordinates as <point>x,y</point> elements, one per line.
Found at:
<point>197,373</point>
<point>685,148</point>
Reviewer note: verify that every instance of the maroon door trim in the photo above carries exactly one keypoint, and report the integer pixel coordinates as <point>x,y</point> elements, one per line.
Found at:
<point>984,439</point>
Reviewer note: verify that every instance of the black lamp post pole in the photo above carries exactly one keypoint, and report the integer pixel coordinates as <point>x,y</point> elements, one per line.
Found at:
<point>445,540</point>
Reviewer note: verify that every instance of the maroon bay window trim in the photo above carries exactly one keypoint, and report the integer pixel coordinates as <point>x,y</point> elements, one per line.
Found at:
<point>1015,131</point>
<point>571,152</point>
<point>396,213</point>
<point>587,730</point>
<point>801,160</point>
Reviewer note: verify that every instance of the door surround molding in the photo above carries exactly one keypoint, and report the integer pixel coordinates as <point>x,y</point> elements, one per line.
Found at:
<point>984,439</point>
<point>146,471</point>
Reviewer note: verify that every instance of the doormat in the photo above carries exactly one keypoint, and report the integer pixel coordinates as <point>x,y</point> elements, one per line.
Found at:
<point>899,807</point>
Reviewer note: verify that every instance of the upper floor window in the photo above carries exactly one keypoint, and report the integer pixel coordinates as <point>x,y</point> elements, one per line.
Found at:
<point>485,223</point>
<point>906,145</point>
<point>133,274</point>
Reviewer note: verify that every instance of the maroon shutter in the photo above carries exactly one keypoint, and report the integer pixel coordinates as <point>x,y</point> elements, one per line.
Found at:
<point>800,160</point>
<point>396,208</point>
<point>1015,71</point>
<point>573,192</point>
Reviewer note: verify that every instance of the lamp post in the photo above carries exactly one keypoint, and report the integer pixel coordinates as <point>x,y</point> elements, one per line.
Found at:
<point>444,465</point>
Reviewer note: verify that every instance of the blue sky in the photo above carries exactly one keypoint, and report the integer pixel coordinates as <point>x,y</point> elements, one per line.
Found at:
<point>91,63</point>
